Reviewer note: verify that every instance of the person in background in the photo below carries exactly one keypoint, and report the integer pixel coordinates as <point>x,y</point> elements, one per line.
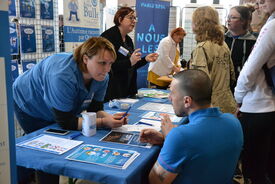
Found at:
<point>259,18</point>
<point>204,151</point>
<point>168,61</point>
<point>61,86</point>
<point>123,74</point>
<point>256,104</point>
<point>213,57</point>
<point>238,37</point>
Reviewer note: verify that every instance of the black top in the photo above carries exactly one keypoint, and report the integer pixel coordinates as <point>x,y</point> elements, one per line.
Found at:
<point>240,50</point>
<point>123,76</point>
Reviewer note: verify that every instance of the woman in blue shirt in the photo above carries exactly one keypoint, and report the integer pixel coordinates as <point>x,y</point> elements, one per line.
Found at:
<point>63,85</point>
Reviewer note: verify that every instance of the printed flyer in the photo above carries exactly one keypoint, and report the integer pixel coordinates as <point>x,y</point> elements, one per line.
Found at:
<point>105,156</point>
<point>28,41</point>
<point>48,38</point>
<point>46,9</point>
<point>129,138</point>
<point>51,144</point>
<point>14,69</point>
<point>27,8</point>
<point>28,64</point>
<point>159,115</point>
<point>12,10</point>
<point>13,39</point>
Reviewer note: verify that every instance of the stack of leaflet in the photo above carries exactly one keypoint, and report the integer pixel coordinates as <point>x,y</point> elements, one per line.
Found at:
<point>105,156</point>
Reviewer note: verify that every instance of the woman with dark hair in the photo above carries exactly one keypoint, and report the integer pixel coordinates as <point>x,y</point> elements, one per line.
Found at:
<point>123,74</point>
<point>238,37</point>
<point>213,56</point>
<point>168,61</point>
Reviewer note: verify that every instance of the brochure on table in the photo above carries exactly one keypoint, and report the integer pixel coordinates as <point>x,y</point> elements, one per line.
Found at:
<point>158,107</point>
<point>159,115</point>
<point>153,93</point>
<point>51,144</point>
<point>106,156</point>
<point>129,138</point>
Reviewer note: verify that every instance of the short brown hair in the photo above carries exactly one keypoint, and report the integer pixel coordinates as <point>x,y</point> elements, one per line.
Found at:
<point>178,30</point>
<point>92,47</point>
<point>207,25</point>
<point>121,13</point>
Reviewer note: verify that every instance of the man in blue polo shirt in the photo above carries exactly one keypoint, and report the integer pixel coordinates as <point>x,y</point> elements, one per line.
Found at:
<point>204,151</point>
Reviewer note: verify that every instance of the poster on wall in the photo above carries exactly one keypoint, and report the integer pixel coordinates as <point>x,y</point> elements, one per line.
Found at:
<point>28,64</point>
<point>13,39</point>
<point>27,8</point>
<point>81,21</point>
<point>48,38</point>
<point>14,69</point>
<point>28,42</point>
<point>152,26</point>
<point>46,9</point>
<point>12,10</point>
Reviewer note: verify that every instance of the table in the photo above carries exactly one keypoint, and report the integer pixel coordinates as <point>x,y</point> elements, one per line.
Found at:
<point>136,173</point>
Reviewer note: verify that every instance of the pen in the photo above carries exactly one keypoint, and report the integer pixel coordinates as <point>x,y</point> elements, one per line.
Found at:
<point>75,135</point>
<point>125,114</point>
<point>142,123</point>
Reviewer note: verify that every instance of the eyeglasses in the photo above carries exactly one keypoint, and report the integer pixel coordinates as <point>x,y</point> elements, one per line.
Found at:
<point>233,18</point>
<point>132,18</point>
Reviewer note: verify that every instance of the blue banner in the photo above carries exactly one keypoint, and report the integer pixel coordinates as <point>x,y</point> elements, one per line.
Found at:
<point>28,42</point>
<point>27,8</point>
<point>28,64</point>
<point>46,9</point>
<point>152,26</point>
<point>12,10</point>
<point>48,38</point>
<point>13,39</point>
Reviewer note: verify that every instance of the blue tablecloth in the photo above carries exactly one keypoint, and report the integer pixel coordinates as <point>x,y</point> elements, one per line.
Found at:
<point>137,172</point>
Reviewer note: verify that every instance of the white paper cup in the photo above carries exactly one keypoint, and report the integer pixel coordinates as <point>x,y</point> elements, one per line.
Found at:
<point>88,124</point>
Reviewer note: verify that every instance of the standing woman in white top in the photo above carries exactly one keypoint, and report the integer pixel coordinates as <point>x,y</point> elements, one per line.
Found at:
<point>168,61</point>
<point>257,106</point>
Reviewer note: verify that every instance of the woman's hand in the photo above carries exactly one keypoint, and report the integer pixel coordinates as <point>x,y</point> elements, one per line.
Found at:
<point>135,57</point>
<point>152,57</point>
<point>114,121</point>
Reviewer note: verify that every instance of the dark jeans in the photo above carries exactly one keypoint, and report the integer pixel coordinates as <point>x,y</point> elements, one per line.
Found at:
<point>258,157</point>
<point>30,124</point>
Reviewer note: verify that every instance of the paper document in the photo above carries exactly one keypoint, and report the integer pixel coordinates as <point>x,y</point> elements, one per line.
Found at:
<point>129,138</point>
<point>153,93</point>
<point>158,107</point>
<point>158,116</point>
<point>51,144</point>
<point>105,156</point>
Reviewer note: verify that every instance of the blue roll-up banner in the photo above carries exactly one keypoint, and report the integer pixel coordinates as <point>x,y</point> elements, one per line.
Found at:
<point>46,9</point>
<point>13,39</point>
<point>27,8</point>
<point>48,38</point>
<point>152,26</point>
<point>28,41</point>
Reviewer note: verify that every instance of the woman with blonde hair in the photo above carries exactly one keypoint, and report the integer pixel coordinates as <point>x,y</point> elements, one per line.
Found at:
<point>212,56</point>
<point>168,61</point>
